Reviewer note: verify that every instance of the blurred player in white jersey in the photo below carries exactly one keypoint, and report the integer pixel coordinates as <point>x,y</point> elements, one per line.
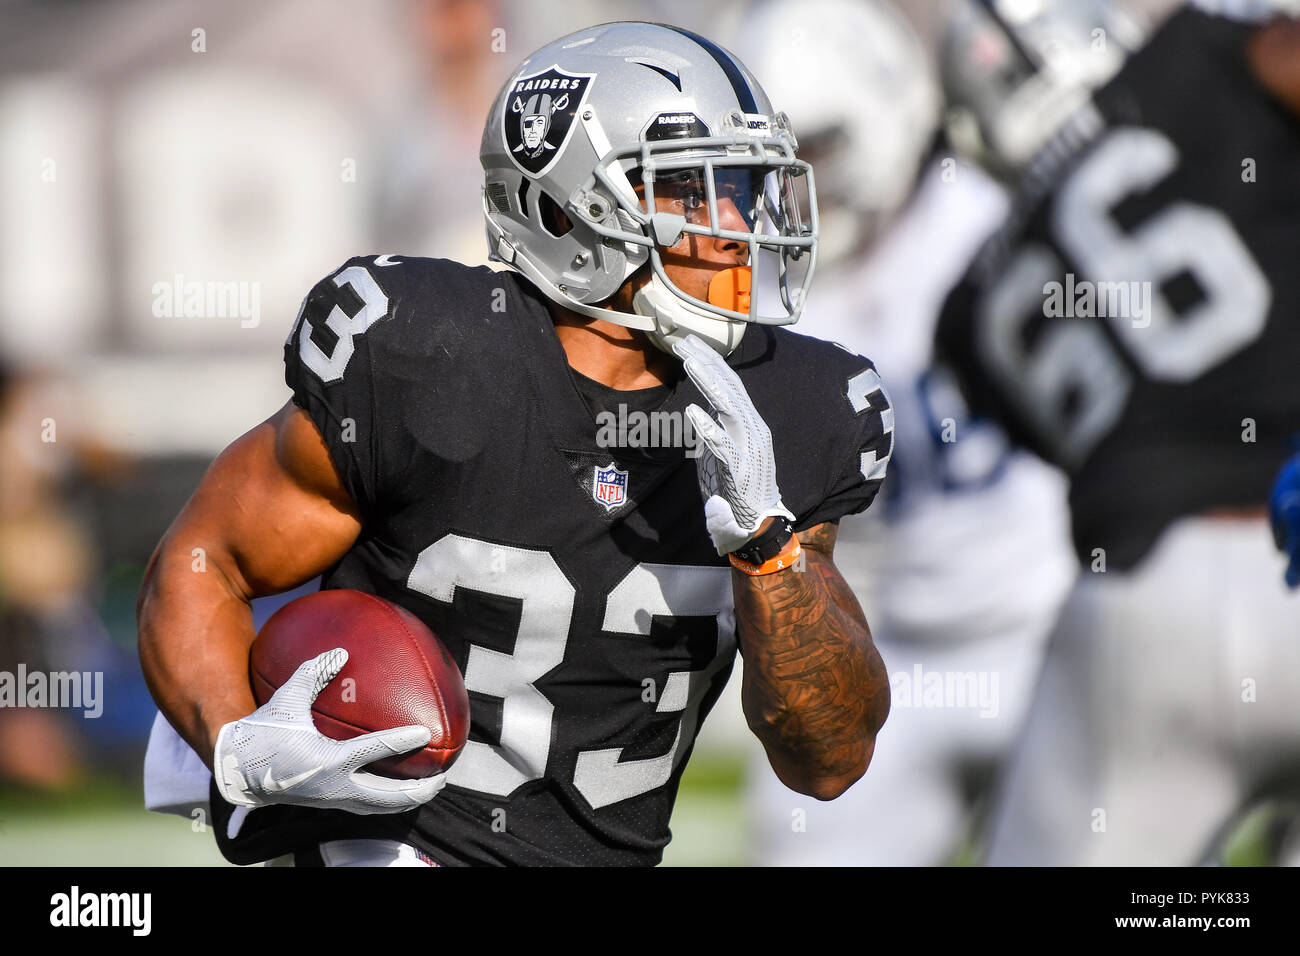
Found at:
<point>965,568</point>
<point>1170,695</point>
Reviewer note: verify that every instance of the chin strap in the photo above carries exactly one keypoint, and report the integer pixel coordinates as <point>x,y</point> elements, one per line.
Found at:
<point>675,319</point>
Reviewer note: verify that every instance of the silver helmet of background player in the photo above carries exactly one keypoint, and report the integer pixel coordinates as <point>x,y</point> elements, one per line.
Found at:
<point>867,104</point>
<point>1014,71</point>
<point>586,120</point>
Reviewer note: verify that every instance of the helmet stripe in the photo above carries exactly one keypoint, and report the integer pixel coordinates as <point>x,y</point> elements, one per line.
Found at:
<point>744,95</point>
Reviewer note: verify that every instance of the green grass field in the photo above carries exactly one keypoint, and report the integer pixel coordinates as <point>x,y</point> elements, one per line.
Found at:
<point>104,823</point>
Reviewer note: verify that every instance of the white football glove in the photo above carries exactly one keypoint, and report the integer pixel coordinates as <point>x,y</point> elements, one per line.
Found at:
<point>276,754</point>
<point>736,466</point>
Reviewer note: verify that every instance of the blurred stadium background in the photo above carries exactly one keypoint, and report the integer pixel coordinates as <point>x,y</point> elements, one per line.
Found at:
<point>145,144</point>
<point>257,143</point>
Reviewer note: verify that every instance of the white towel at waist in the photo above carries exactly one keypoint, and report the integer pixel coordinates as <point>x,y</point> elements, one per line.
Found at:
<point>175,779</point>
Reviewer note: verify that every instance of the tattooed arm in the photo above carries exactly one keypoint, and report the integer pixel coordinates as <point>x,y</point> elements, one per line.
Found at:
<point>815,690</point>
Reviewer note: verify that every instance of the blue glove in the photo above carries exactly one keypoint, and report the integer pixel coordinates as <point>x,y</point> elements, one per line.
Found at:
<point>1284,511</point>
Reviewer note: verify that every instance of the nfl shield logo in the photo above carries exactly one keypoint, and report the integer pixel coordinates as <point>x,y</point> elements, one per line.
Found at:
<point>610,486</point>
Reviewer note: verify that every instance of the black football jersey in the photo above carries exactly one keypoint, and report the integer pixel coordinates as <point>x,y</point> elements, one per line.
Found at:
<point>550,530</point>
<point>1137,321</point>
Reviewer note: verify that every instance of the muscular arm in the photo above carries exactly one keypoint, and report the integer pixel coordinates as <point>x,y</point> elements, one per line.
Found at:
<point>269,514</point>
<point>815,690</point>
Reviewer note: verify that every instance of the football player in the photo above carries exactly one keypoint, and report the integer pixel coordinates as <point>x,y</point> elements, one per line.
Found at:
<point>443,451</point>
<point>964,561</point>
<point>1134,322</point>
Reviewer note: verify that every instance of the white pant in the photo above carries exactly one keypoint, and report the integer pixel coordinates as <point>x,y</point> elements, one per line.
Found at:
<point>1170,697</point>
<point>955,707</point>
<point>364,853</point>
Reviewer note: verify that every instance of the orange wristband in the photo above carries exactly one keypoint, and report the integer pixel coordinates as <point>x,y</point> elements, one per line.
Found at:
<point>779,562</point>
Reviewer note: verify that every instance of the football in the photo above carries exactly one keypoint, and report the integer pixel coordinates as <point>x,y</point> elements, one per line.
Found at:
<point>398,673</point>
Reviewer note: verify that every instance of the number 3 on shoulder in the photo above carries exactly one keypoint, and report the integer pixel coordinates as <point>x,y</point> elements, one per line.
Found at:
<point>330,365</point>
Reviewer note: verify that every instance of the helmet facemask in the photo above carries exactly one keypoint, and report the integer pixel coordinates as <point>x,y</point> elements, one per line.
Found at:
<point>743,188</point>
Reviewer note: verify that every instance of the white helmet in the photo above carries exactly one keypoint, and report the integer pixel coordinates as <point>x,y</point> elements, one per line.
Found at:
<point>1015,70</point>
<point>586,120</point>
<point>867,104</point>
<point>1250,11</point>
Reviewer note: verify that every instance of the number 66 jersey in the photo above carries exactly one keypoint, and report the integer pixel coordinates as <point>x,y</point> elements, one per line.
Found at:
<point>550,530</point>
<point>1137,320</point>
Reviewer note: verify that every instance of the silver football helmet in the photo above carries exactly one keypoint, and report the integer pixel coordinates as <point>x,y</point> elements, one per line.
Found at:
<point>1014,71</point>
<point>586,131</point>
<point>867,112</point>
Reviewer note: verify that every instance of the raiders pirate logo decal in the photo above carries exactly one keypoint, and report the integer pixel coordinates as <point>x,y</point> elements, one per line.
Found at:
<point>539,116</point>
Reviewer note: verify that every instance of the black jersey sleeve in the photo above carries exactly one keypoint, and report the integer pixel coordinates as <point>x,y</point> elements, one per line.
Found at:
<point>398,360</point>
<point>857,451</point>
<point>328,366</point>
<point>956,350</point>
<point>831,420</point>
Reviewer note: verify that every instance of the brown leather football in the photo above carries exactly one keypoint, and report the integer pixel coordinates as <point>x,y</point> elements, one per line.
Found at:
<point>398,673</point>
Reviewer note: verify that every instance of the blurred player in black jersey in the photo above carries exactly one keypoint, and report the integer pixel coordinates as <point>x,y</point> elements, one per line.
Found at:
<point>526,460</point>
<point>1136,322</point>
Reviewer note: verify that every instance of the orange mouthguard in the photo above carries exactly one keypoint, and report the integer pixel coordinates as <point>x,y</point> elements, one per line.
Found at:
<point>730,289</point>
